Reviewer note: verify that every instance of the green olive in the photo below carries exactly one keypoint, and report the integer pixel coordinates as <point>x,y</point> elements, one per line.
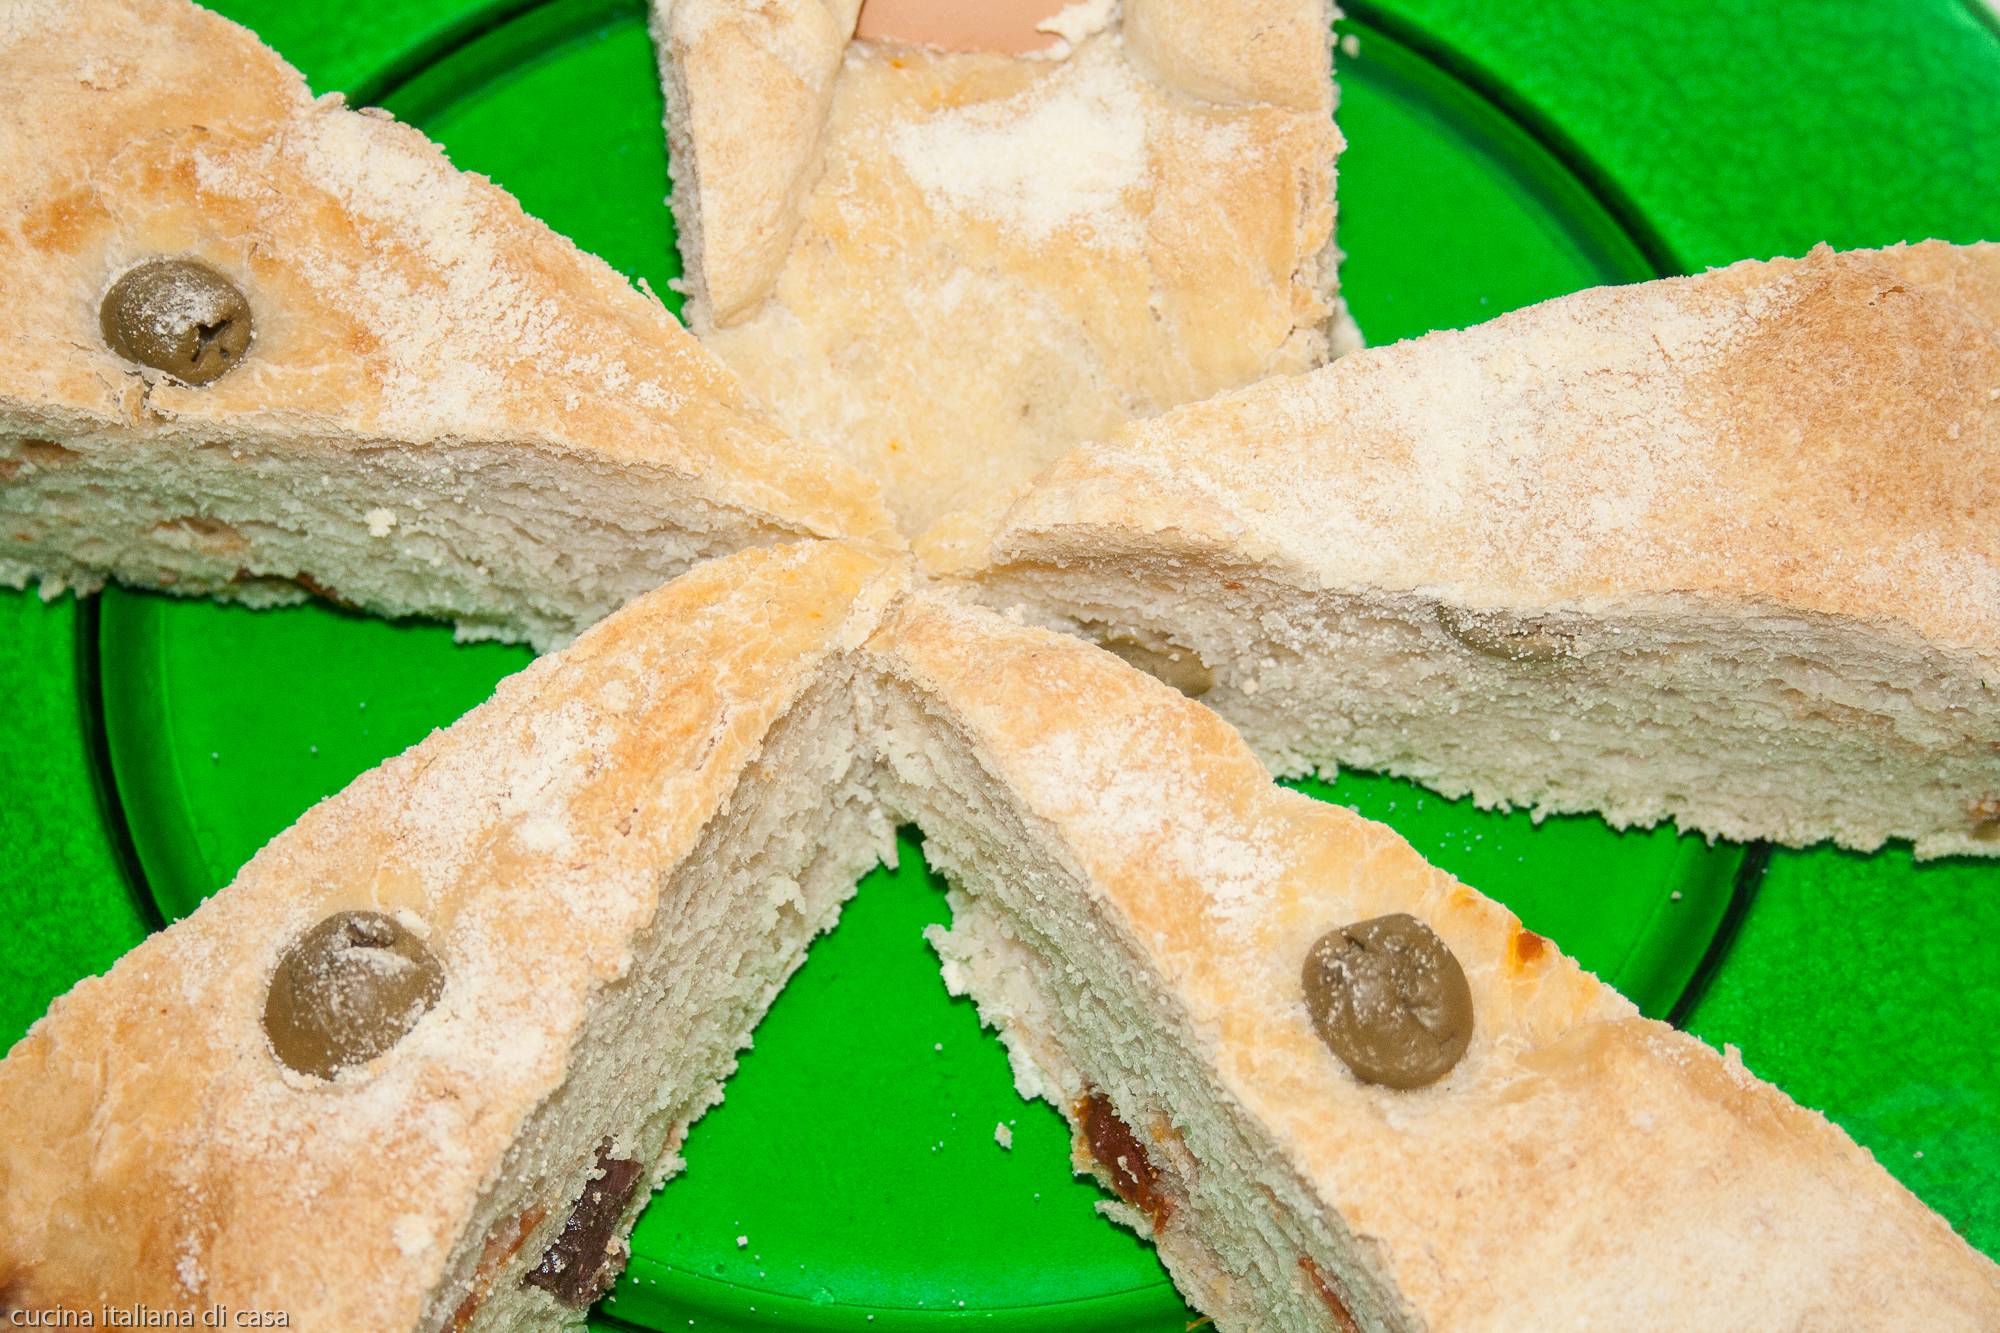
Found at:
<point>1387,997</point>
<point>1163,659</point>
<point>347,990</point>
<point>179,316</point>
<point>1511,638</point>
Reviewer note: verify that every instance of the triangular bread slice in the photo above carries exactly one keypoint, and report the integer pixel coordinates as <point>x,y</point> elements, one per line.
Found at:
<point>615,863</point>
<point>948,266</point>
<point>1724,549</point>
<point>612,866</point>
<point>1133,905</point>
<point>445,408</point>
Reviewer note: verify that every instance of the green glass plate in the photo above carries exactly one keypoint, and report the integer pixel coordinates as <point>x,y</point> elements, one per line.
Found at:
<point>857,1154</point>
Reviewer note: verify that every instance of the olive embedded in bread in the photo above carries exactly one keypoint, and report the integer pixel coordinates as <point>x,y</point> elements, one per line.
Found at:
<point>347,990</point>
<point>1115,1147</point>
<point>179,316</point>
<point>1388,997</point>
<point>578,1266</point>
<point>1509,638</point>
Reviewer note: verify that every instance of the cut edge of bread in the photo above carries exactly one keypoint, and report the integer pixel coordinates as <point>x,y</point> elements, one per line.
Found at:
<point>1133,901</point>
<point>420,344</point>
<point>1578,559</point>
<point>655,822</point>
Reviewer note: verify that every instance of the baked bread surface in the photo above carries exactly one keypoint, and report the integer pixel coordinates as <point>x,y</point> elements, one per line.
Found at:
<point>157,1153</point>
<point>1819,434</point>
<point>987,258</point>
<point>398,303</point>
<point>1581,1167</point>
<point>1721,549</point>
<point>748,91</point>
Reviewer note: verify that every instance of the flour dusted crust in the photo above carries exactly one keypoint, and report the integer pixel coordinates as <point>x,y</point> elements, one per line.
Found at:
<point>1722,549</point>
<point>1820,434</point>
<point>157,1153</point>
<point>399,303</point>
<point>1235,52</point>
<point>986,258</point>
<point>748,90</point>
<point>1581,1167</point>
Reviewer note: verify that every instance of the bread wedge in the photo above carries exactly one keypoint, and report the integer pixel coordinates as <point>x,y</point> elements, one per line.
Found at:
<point>948,266</point>
<point>428,403</point>
<point>1721,549</point>
<point>568,911</point>
<point>611,868</point>
<point>1134,904</point>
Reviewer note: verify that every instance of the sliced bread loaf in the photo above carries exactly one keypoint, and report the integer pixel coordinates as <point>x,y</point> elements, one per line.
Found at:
<point>421,1063</point>
<point>1722,549</point>
<point>948,266</point>
<point>260,346</point>
<point>1337,1088</point>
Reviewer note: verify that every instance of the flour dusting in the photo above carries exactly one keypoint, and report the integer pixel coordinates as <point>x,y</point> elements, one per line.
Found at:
<point>1061,154</point>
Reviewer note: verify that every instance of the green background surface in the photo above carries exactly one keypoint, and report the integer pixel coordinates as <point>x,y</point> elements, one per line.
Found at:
<point>1634,139</point>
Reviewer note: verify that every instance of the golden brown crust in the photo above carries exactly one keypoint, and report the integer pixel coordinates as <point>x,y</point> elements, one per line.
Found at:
<point>749,88</point>
<point>397,301</point>
<point>1581,1166</point>
<point>1001,255</point>
<point>1966,276</point>
<point>1819,435</point>
<point>1237,51</point>
<point>157,1153</point>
